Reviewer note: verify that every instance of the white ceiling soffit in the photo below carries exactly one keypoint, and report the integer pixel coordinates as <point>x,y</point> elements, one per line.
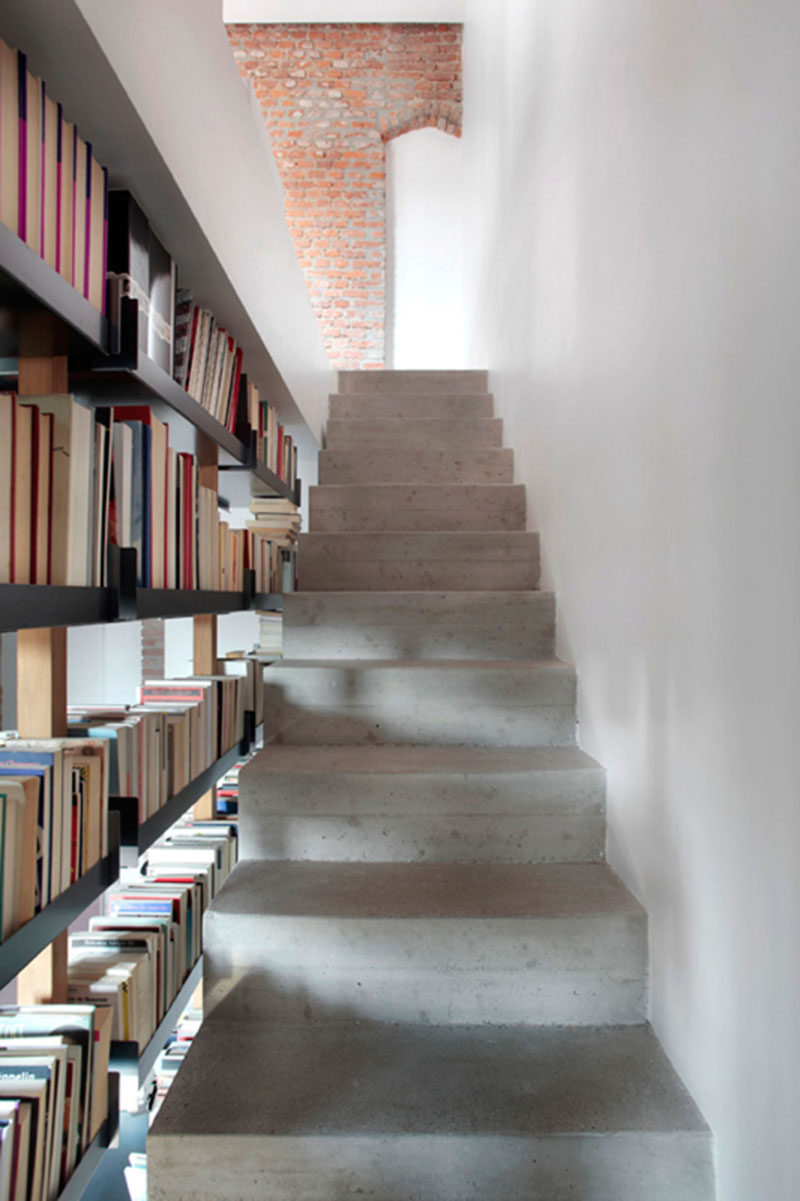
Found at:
<point>335,12</point>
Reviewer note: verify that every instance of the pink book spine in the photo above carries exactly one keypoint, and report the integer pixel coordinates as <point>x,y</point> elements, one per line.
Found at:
<point>87,256</point>
<point>42,179</point>
<point>105,240</point>
<point>22,81</point>
<point>59,187</point>
<point>74,202</point>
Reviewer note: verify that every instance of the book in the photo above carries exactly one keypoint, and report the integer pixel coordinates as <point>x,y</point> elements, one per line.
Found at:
<point>9,137</point>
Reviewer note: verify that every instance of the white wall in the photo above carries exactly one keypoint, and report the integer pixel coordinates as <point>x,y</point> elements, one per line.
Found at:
<point>424,277</point>
<point>636,188</point>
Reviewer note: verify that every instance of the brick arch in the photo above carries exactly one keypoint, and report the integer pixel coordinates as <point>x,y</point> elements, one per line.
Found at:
<point>426,114</point>
<point>331,97</point>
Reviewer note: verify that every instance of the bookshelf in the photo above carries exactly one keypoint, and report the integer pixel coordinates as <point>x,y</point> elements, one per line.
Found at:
<point>63,344</point>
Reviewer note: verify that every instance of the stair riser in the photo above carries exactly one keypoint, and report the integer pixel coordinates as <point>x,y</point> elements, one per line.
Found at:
<point>362,507</point>
<point>424,706</point>
<point>459,625</point>
<point>381,466</point>
<point>673,1166</point>
<point>476,433</point>
<point>421,562</point>
<point>544,970</point>
<point>545,838</point>
<point>426,382</point>
<point>409,406</point>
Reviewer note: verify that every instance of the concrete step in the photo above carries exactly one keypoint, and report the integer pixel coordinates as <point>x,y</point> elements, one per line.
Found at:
<point>422,561</point>
<point>469,702</point>
<point>355,406</point>
<point>417,466</point>
<point>435,943</point>
<point>413,381</point>
<point>408,1113</point>
<point>431,433</point>
<point>380,507</point>
<point>419,625</point>
<point>413,804</point>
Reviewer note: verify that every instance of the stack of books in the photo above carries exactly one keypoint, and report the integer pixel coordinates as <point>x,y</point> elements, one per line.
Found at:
<point>53,820</point>
<point>53,1094</point>
<point>53,191</point>
<point>270,635</point>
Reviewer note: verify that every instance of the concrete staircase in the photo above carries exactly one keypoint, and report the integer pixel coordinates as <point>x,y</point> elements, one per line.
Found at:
<point>422,982</point>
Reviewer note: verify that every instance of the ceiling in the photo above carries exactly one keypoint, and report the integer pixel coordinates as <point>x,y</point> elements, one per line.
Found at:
<point>300,12</point>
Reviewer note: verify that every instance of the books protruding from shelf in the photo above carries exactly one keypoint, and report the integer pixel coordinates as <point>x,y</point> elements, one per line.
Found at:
<point>135,958</point>
<point>53,820</point>
<point>53,191</point>
<point>53,1094</point>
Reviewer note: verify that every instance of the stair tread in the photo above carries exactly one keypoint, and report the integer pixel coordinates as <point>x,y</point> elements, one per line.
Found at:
<point>355,891</point>
<point>540,666</point>
<point>419,760</point>
<point>360,1079</point>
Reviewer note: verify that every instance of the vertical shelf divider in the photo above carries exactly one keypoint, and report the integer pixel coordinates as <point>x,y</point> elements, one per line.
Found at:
<point>42,653</point>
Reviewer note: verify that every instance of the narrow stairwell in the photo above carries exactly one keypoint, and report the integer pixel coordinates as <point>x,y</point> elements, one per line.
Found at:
<point>422,982</point>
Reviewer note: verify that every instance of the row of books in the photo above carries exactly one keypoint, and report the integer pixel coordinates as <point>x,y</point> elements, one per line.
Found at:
<point>136,958</point>
<point>178,729</point>
<point>75,480</point>
<point>53,820</point>
<point>53,191</point>
<point>207,361</point>
<point>274,447</point>
<point>53,1094</point>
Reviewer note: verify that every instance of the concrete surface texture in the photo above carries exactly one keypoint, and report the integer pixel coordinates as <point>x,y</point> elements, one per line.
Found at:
<point>423,982</point>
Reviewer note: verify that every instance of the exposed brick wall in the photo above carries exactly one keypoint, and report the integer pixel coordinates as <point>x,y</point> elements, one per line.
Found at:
<point>332,95</point>
<point>153,649</point>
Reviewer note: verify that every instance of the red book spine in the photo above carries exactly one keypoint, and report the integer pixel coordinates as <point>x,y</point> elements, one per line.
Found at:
<point>279,464</point>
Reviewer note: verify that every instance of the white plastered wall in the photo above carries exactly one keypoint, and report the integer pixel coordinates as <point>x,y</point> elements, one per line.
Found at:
<point>424,277</point>
<point>635,185</point>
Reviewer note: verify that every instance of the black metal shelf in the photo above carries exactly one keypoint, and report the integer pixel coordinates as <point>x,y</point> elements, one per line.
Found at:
<point>26,606</point>
<point>26,943</point>
<point>89,1162</point>
<point>272,601</point>
<point>27,281</point>
<point>141,836</point>
<point>127,1058</point>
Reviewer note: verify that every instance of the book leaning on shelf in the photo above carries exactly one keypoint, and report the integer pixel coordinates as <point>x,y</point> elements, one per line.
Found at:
<point>53,191</point>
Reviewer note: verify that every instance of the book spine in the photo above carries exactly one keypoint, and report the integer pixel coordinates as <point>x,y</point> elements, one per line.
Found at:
<point>42,173</point>
<point>87,219</point>
<point>105,243</point>
<point>22,84</point>
<point>59,185</point>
